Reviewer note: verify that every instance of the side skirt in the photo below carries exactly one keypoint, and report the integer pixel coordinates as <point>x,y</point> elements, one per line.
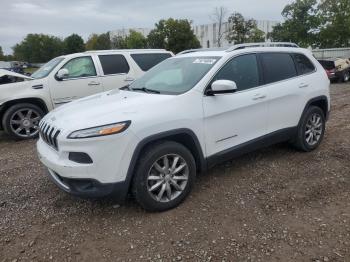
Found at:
<point>261,142</point>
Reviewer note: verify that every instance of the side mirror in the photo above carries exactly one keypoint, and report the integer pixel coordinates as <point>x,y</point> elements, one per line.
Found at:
<point>222,87</point>
<point>62,74</point>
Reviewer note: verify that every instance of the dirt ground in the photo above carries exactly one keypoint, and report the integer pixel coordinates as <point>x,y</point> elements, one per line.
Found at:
<point>276,204</point>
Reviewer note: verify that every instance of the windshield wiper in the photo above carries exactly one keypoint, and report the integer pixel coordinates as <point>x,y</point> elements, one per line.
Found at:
<point>127,87</point>
<point>146,90</point>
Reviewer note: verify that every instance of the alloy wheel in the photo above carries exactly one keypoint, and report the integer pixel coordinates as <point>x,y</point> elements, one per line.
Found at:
<point>167,178</point>
<point>314,129</point>
<point>24,122</point>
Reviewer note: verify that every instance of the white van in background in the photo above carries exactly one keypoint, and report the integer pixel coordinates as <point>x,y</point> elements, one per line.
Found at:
<point>66,78</point>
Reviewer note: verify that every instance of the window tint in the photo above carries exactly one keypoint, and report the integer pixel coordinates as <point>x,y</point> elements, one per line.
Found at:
<point>114,64</point>
<point>147,61</point>
<point>80,67</point>
<point>303,64</point>
<point>277,67</point>
<point>243,70</point>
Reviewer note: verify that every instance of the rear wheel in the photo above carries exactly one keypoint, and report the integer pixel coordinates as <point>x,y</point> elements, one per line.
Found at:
<point>311,129</point>
<point>164,177</point>
<point>21,121</point>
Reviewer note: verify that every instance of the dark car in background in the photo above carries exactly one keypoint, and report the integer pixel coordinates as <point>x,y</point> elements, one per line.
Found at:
<point>338,69</point>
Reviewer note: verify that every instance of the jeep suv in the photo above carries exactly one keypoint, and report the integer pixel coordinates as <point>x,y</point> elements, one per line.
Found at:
<point>67,78</point>
<point>183,116</point>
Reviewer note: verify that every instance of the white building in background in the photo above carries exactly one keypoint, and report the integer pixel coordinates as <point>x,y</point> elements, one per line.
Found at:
<point>207,34</point>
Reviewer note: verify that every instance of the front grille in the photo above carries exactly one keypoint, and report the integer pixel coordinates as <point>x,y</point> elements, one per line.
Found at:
<point>49,134</point>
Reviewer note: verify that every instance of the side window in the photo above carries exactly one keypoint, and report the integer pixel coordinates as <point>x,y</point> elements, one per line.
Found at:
<point>80,67</point>
<point>114,64</point>
<point>147,61</point>
<point>303,64</point>
<point>243,70</point>
<point>277,67</point>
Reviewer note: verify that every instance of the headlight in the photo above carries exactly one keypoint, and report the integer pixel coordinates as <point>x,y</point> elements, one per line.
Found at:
<point>100,130</point>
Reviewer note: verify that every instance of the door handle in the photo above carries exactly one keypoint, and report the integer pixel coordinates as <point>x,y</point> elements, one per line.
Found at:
<point>258,97</point>
<point>129,79</point>
<point>303,85</point>
<point>93,83</point>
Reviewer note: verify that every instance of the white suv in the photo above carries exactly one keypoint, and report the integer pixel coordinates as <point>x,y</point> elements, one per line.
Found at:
<point>67,78</point>
<point>182,117</point>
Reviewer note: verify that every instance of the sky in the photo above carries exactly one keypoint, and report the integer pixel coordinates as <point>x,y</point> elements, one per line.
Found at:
<point>64,17</point>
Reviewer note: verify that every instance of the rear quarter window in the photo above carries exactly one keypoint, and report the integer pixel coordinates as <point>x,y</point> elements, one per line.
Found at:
<point>147,61</point>
<point>277,67</point>
<point>303,64</point>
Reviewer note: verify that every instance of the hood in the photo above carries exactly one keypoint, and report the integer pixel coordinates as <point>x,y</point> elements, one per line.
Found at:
<point>104,108</point>
<point>4,72</point>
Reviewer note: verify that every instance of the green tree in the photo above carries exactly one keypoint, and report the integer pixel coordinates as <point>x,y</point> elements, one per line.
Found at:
<point>335,29</point>
<point>301,24</point>
<point>135,40</point>
<point>38,48</point>
<point>1,54</point>
<point>118,42</point>
<point>173,34</point>
<point>73,44</point>
<point>99,42</point>
<point>242,30</point>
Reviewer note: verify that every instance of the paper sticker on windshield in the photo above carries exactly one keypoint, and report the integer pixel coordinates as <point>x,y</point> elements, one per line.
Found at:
<point>207,61</point>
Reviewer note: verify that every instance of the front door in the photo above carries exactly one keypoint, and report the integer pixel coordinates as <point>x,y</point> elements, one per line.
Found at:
<point>81,81</point>
<point>233,119</point>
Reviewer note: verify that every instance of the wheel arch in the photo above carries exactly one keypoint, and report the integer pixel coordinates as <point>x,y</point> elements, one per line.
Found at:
<point>31,100</point>
<point>321,102</point>
<point>184,136</point>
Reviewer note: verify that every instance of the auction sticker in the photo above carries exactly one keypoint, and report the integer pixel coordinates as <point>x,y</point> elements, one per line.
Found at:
<point>207,61</point>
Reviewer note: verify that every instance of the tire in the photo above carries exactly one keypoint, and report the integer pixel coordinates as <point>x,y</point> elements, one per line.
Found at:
<point>25,116</point>
<point>148,181</point>
<point>346,77</point>
<point>310,130</point>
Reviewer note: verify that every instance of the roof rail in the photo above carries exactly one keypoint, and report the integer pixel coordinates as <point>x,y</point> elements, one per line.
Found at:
<point>201,50</point>
<point>124,50</point>
<point>263,44</point>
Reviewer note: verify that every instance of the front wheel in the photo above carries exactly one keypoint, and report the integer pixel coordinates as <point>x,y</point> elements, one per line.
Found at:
<point>164,176</point>
<point>21,121</point>
<point>311,129</point>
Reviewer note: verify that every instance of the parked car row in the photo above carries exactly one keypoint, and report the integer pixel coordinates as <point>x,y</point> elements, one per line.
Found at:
<point>338,69</point>
<point>64,79</point>
<point>182,117</point>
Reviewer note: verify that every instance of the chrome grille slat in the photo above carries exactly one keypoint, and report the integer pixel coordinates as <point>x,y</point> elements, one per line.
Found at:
<point>49,134</point>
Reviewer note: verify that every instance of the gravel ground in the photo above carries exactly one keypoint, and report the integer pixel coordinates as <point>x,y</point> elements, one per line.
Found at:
<point>276,204</point>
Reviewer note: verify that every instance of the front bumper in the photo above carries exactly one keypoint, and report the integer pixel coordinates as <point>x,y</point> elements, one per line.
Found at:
<point>89,188</point>
<point>105,176</point>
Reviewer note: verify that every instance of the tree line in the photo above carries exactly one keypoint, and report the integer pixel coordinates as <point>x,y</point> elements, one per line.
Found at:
<point>172,34</point>
<point>315,23</point>
<point>319,24</point>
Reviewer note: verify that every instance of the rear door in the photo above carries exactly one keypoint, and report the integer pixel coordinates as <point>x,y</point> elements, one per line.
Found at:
<point>286,86</point>
<point>82,80</point>
<point>116,71</point>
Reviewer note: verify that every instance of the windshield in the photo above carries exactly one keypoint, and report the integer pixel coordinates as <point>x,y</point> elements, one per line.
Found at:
<point>47,68</point>
<point>175,75</point>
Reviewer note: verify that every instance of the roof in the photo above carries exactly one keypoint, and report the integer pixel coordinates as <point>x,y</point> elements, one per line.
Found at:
<point>127,50</point>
